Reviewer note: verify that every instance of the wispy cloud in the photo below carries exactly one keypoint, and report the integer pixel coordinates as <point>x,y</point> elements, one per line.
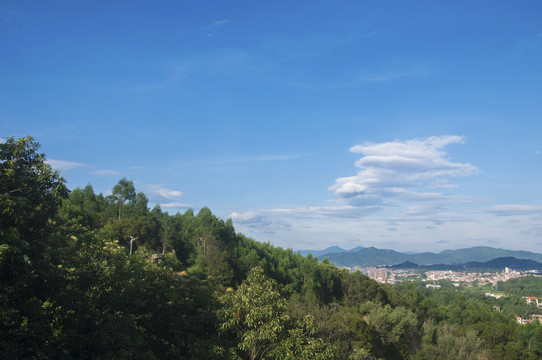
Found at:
<point>64,165</point>
<point>105,172</point>
<point>274,220</point>
<point>13,16</point>
<point>261,158</point>
<point>337,211</point>
<point>259,222</point>
<point>366,78</point>
<point>354,82</point>
<point>218,24</point>
<point>514,210</point>
<point>190,69</point>
<point>173,76</point>
<point>242,158</point>
<point>175,205</point>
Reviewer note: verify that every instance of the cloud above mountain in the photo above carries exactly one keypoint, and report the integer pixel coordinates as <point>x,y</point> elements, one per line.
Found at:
<point>401,171</point>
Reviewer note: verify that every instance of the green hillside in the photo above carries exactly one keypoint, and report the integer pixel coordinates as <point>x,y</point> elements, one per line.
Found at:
<point>94,276</point>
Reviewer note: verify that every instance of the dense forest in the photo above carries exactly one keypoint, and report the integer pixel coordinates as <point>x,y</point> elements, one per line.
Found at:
<point>89,276</point>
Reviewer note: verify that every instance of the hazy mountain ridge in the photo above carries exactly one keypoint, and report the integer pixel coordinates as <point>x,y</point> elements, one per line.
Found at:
<point>329,250</point>
<point>494,264</point>
<point>373,256</point>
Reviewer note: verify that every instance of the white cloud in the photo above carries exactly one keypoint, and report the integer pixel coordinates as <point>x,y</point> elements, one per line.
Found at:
<point>392,170</point>
<point>63,165</point>
<point>165,196</point>
<point>159,193</point>
<point>248,216</point>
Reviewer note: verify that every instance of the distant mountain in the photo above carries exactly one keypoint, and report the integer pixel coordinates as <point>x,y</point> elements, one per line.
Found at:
<point>329,250</point>
<point>372,256</point>
<point>502,262</point>
<point>494,264</point>
<point>366,256</point>
<point>357,248</point>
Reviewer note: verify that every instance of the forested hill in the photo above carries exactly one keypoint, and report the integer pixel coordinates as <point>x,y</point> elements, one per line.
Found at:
<point>89,276</point>
<point>373,256</point>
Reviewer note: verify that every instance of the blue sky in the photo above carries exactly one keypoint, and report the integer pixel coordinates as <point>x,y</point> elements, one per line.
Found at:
<point>412,125</point>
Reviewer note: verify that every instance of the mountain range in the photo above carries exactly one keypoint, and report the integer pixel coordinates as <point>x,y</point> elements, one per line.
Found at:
<point>494,264</point>
<point>372,256</point>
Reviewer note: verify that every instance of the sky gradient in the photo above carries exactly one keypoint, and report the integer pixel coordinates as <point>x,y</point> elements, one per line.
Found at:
<point>410,125</point>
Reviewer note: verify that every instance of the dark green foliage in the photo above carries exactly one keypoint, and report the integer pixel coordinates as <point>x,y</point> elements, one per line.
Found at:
<point>30,193</point>
<point>446,341</point>
<point>359,288</point>
<point>254,318</point>
<point>115,304</point>
<point>524,286</point>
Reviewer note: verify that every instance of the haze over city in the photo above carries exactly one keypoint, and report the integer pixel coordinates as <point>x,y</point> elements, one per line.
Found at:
<point>415,126</point>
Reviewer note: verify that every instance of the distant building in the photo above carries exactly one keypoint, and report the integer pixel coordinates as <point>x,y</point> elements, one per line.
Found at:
<point>496,296</point>
<point>522,321</point>
<point>380,275</point>
<point>532,299</point>
<point>534,317</point>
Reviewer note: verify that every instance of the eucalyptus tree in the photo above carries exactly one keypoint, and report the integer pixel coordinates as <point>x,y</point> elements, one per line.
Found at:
<point>123,192</point>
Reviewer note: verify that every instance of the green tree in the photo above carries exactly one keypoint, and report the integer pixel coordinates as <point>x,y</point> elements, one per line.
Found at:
<point>397,327</point>
<point>30,191</point>
<point>30,194</point>
<point>254,318</point>
<point>123,192</point>
<point>253,314</point>
<point>448,341</point>
<point>83,208</point>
